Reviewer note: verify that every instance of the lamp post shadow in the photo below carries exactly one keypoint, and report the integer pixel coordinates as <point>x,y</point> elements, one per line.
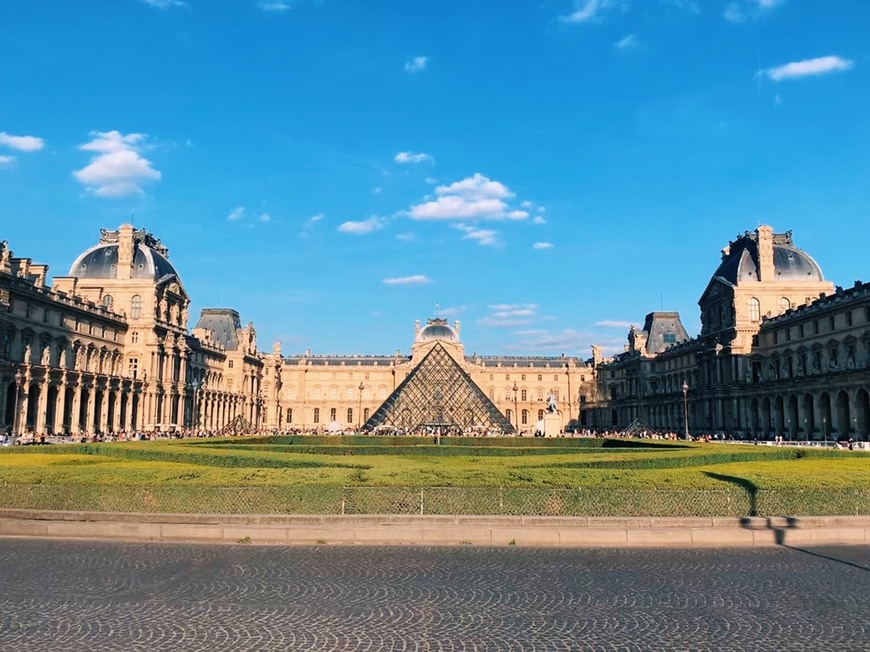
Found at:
<point>747,485</point>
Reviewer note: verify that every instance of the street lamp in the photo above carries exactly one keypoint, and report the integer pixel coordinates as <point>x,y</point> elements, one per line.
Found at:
<point>686,408</point>
<point>516,409</point>
<point>18,379</point>
<point>359,416</point>
<point>825,429</point>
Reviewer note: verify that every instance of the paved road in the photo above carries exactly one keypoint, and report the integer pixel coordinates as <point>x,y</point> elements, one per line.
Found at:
<point>74,595</point>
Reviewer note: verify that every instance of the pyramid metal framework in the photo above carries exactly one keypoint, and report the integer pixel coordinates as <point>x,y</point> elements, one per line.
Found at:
<point>438,393</point>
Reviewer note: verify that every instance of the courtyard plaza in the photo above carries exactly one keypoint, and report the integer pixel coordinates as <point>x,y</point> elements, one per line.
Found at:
<point>74,595</point>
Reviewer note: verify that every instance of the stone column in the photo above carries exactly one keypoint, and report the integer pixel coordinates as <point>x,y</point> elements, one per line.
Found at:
<point>74,421</point>
<point>116,413</point>
<point>91,408</point>
<point>104,409</point>
<point>60,407</point>
<point>42,406</point>
<point>25,401</point>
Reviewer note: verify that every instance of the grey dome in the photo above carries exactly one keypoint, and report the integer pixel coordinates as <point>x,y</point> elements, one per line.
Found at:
<point>437,329</point>
<point>789,262</point>
<point>102,262</point>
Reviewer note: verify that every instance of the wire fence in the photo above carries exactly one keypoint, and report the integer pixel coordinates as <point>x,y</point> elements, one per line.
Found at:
<point>483,501</point>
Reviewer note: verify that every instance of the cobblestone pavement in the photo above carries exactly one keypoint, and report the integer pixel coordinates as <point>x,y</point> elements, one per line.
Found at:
<point>74,595</point>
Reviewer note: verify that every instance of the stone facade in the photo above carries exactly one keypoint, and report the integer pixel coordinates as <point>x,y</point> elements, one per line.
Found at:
<point>314,392</point>
<point>107,349</point>
<point>781,352</point>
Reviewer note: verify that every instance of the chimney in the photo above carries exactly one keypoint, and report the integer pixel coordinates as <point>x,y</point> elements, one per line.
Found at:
<point>125,251</point>
<point>765,253</point>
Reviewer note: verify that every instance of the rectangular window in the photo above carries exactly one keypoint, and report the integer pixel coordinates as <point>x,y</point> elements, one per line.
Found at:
<point>849,318</point>
<point>670,338</point>
<point>133,367</point>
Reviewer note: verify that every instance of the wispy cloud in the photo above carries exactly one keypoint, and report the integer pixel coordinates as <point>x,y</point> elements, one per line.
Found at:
<point>7,160</point>
<point>809,67</point>
<point>21,143</point>
<point>589,11</point>
<point>236,214</point>
<point>413,157</point>
<point>743,10</point>
<point>417,64</point>
<point>542,245</point>
<point>566,340</point>
<point>539,219</point>
<point>265,217</point>
<point>165,4</point>
<point>309,225</point>
<point>510,315</point>
<point>473,198</point>
<point>406,237</point>
<point>628,43</point>
<point>117,169</point>
<point>416,279</point>
<point>274,6</point>
<point>484,237</point>
<point>613,323</point>
<point>362,227</point>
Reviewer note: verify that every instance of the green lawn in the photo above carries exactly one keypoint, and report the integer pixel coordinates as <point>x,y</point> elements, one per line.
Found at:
<point>394,475</point>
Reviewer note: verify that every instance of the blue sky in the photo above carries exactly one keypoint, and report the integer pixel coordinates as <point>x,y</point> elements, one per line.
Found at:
<point>547,172</point>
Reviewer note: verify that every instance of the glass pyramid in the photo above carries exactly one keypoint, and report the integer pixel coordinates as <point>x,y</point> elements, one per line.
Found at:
<point>439,394</point>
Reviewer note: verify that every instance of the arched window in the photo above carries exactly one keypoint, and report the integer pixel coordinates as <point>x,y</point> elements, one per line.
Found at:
<point>524,396</point>
<point>753,307</point>
<point>540,414</point>
<point>525,417</point>
<point>366,414</point>
<point>107,301</point>
<point>136,307</point>
<point>289,415</point>
<point>316,415</point>
<point>333,414</point>
<point>784,304</point>
<point>350,415</point>
<point>510,416</point>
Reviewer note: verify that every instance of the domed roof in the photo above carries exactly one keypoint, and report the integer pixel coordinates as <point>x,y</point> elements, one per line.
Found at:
<point>101,261</point>
<point>437,329</point>
<point>740,261</point>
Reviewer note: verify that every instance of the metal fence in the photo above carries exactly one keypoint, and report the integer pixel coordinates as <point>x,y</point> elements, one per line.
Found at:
<point>484,501</point>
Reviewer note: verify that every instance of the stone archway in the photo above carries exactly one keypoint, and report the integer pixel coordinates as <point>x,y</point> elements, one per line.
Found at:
<point>825,415</point>
<point>779,416</point>
<point>809,420</point>
<point>791,420</point>
<point>753,417</point>
<point>843,415</point>
<point>862,414</point>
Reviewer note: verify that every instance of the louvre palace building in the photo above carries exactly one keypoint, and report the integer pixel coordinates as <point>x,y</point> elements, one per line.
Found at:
<point>108,349</point>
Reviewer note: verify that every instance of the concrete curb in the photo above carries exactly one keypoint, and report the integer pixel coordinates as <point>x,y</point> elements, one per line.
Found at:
<point>438,530</point>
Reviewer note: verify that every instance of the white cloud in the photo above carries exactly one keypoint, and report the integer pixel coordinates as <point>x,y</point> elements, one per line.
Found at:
<point>374,223</point>
<point>417,64</point>
<point>510,315</point>
<point>274,6</point>
<point>236,214</point>
<point>377,190</point>
<point>563,341</point>
<point>542,245</point>
<point>809,67</point>
<point>484,237</point>
<point>627,43</point>
<point>412,157</point>
<point>743,10</point>
<point>587,11</point>
<point>7,160</point>
<point>527,204</point>
<point>117,169</point>
<point>476,198</point>
<point>309,225</point>
<point>613,323</point>
<point>733,14</point>
<point>265,217</point>
<point>21,143</point>
<point>538,219</point>
<point>416,279</point>
<point>686,5</point>
<point>165,4</point>
<point>406,237</point>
